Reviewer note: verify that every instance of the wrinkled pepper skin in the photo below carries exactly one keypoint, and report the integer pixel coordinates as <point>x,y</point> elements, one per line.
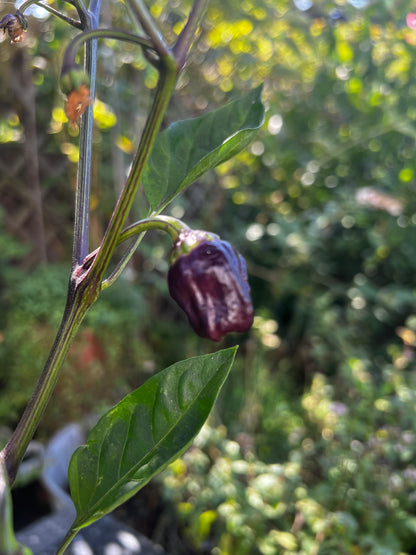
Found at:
<point>210,284</point>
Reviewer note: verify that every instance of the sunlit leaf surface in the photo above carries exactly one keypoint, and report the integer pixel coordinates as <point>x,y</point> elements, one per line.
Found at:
<point>189,148</point>
<point>143,433</point>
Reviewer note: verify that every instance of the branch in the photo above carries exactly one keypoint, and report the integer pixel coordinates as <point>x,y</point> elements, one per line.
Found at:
<point>67,19</point>
<point>188,34</point>
<point>140,12</point>
<point>171,225</point>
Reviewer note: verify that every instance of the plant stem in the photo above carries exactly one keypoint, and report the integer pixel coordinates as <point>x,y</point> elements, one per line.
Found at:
<point>70,20</point>
<point>83,14</point>
<point>166,85</point>
<point>140,12</point>
<point>76,308</point>
<point>188,34</point>
<point>83,193</point>
<point>66,541</point>
<point>169,224</point>
<point>8,543</point>
<point>74,45</point>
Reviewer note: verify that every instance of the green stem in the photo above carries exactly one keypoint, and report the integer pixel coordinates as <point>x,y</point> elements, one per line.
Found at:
<point>66,541</point>
<point>118,270</point>
<point>171,225</point>
<point>166,85</point>
<point>74,45</point>
<point>90,22</point>
<point>188,34</point>
<point>83,192</point>
<point>84,16</point>
<point>141,14</point>
<point>8,543</point>
<point>76,308</point>
<point>67,19</point>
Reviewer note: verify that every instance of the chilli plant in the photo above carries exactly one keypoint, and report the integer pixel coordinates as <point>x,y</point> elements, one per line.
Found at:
<point>153,425</point>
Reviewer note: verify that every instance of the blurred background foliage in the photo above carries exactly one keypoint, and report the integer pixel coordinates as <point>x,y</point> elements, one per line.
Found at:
<point>312,445</point>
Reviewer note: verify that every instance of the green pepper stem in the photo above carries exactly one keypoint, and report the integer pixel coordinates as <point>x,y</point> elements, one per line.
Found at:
<point>74,45</point>
<point>83,192</point>
<point>13,452</point>
<point>67,19</point>
<point>171,225</point>
<point>188,34</point>
<point>138,9</point>
<point>166,85</point>
<point>66,541</point>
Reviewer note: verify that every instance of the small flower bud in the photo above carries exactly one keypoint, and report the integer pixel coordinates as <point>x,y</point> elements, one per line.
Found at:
<point>15,25</point>
<point>208,279</point>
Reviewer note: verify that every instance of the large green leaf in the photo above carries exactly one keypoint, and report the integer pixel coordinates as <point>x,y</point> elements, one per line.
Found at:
<point>143,433</point>
<point>189,148</point>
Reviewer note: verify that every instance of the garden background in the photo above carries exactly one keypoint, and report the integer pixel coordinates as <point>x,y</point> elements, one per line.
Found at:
<point>311,447</point>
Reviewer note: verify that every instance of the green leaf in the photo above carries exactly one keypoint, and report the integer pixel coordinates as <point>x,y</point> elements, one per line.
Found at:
<point>143,433</point>
<point>189,148</point>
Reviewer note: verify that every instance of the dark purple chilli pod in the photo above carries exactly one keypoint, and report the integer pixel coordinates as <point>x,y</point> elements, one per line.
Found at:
<point>208,279</point>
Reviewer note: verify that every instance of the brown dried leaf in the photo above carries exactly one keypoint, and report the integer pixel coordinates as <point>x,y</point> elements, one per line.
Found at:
<point>77,102</point>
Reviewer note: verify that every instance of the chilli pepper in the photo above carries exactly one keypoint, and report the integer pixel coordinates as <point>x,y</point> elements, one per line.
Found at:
<point>208,279</point>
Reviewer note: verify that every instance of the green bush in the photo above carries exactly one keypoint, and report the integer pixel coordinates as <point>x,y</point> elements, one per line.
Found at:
<point>347,484</point>
<point>324,384</point>
<point>109,341</point>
